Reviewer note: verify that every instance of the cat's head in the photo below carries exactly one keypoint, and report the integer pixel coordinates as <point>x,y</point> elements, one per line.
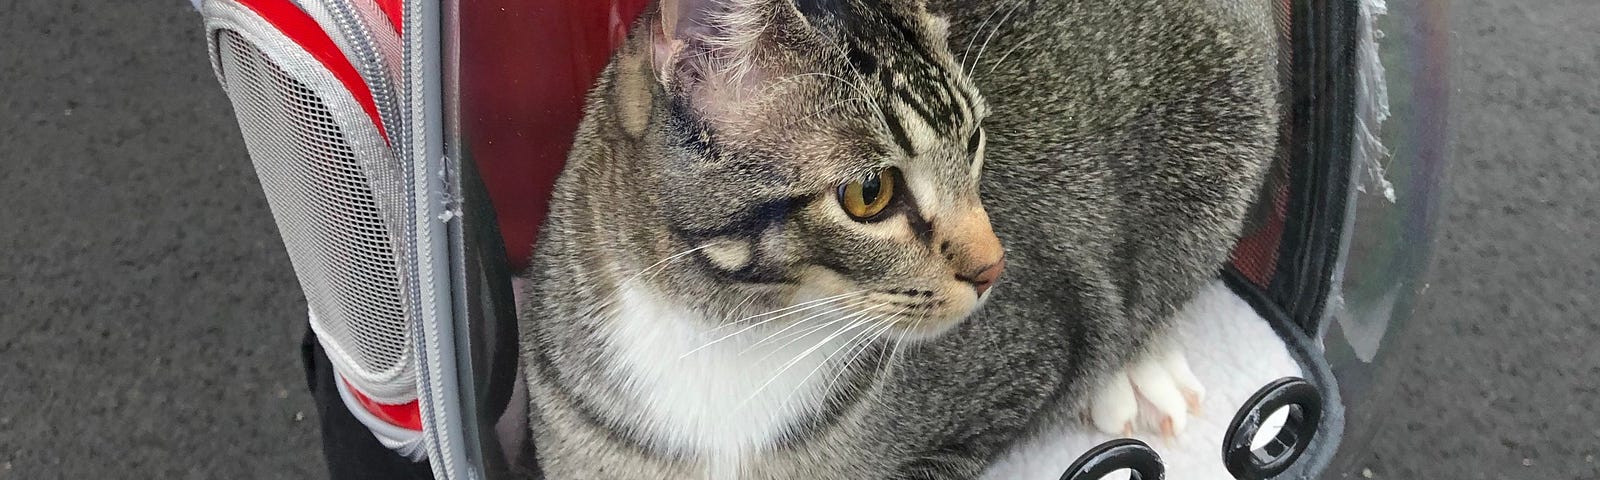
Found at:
<point>828,151</point>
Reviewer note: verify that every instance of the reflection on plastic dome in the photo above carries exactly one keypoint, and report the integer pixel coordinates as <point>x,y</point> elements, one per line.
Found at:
<point>1394,206</point>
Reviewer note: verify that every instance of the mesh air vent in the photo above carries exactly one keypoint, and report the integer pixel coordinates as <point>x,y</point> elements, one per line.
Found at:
<point>339,232</point>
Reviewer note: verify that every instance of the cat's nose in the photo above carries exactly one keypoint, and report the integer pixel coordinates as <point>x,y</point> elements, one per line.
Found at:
<point>972,249</point>
<point>985,277</point>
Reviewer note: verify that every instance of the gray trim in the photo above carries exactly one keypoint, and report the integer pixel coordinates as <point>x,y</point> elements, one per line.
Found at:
<point>374,68</point>
<point>439,395</point>
<point>472,455</point>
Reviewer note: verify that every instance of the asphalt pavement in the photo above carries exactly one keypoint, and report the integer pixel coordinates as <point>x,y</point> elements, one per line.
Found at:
<point>149,319</point>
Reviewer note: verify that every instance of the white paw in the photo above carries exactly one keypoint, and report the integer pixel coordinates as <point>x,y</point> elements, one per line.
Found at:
<point>1169,390</point>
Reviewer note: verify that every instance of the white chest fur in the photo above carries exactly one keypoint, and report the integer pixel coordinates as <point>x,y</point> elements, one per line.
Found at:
<point>698,391</point>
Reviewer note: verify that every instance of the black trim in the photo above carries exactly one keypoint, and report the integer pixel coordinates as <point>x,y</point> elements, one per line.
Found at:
<point>1305,410</point>
<point>1323,111</point>
<point>1134,455</point>
<point>490,338</point>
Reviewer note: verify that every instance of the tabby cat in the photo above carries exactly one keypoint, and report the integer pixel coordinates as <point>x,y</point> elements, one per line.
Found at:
<point>776,250</point>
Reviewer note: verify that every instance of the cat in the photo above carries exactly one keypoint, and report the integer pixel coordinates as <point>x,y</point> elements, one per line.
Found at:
<point>870,239</point>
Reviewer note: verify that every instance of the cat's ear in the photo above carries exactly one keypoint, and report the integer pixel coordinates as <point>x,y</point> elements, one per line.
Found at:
<point>711,49</point>
<point>665,38</point>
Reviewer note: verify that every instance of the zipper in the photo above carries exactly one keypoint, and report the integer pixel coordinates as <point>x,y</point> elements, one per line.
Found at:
<point>371,65</point>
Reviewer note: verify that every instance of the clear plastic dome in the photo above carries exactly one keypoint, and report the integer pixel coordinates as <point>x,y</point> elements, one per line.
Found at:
<point>1333,261</point>
<point>1392,208</point>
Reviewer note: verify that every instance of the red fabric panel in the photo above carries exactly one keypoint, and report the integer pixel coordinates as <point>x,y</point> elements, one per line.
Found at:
<point>305,32</point>
<point>392,9</point>
<point>405,415</point>
<point>1256,254</point>
<point>525,67</point>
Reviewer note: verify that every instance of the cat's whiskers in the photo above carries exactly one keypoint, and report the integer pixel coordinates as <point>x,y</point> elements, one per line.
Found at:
<point>661,266</point>
<point>812,329</point>
<point>975,33</point>
<point>862,339</point>
<point>862,348</point>
<point>809,331</point>
<point>978,59</point>
<point>806,353</point>
<point>790,337</point>
<point>664,262</point>
<point>737,307</point>
<point>824,302</point>
<point>803,333</point>
<point>894,353</point>
<point>615,289</point>
<point>803,320</point>
<point>861,94</point>
<point>806,304</point>
<point>854,302</point>
<point>1009,52</point>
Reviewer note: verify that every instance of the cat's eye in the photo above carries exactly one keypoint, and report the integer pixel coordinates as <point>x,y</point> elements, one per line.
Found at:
<point>868,197</point>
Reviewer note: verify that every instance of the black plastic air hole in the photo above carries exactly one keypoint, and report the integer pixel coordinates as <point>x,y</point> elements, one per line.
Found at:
<point>1122,453</point>
<point>1304,404</point>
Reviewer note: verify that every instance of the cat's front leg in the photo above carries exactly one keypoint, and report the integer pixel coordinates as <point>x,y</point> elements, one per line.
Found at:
<point>1159,388</point>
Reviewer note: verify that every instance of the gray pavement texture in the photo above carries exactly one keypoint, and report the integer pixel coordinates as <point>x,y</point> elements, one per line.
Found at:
<point>149,319</point>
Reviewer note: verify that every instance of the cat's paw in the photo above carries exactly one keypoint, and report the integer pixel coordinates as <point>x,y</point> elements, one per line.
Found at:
<point>1168,389</point>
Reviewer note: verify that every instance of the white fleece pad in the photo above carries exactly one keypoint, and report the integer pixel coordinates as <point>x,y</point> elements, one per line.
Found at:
<point>1232,351</point>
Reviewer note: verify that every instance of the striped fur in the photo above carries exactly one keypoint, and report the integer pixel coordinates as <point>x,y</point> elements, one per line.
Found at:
<point>695,235</point>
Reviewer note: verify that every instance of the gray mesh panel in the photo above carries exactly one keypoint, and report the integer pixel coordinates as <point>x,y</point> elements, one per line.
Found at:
<point>335,195</point>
